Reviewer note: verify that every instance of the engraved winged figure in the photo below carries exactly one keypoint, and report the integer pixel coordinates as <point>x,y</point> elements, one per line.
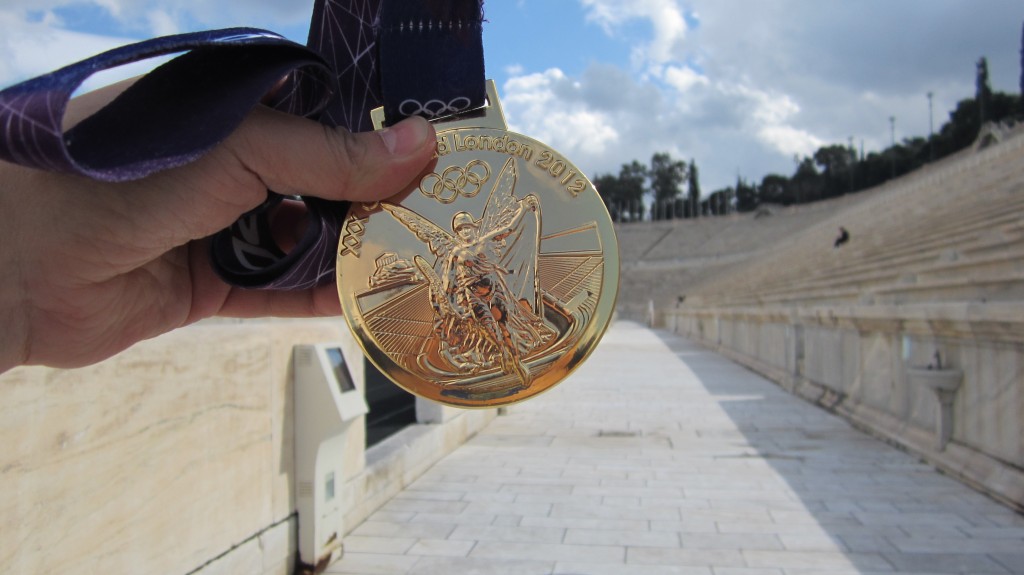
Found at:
<point>488,309</point>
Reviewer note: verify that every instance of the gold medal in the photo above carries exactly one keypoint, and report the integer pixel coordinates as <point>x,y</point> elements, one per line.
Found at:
<point>490,279</point>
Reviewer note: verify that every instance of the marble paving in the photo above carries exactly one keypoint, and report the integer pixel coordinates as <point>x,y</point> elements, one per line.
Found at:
<point>659,457</point>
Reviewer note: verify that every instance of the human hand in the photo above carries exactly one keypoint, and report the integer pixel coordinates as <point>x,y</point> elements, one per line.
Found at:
<point>90,268</point>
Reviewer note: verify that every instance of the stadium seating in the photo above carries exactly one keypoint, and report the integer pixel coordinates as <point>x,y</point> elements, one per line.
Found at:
<point>950,232</point>
<point>930,281</point>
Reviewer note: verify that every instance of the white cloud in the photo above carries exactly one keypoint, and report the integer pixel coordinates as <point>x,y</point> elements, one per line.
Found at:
<point>33,48</point>
<point>205,11</point>
<point>736,85</point>
<point>146,18</point>
<point>666,18</point>
<point>771,117</point>
<point>683,78</point>
<point>162,23</point>
<point>537,104</point>
<point>34,39</point>
<point>710,110</point>
<point>744,86</point>
<point>725,121</point>
<point>789,140</point>
<point>112,6</point>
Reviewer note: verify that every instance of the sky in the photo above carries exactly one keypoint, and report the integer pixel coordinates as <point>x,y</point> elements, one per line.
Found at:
<point>741,87</point>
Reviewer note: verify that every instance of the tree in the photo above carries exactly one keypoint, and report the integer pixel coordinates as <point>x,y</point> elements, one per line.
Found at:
<point>982,91</point>
<point>633,177</point>
<point>962,127</point>
<point>747,198</point>
<point>693,189</point>
<point>718,202</point>
<point>806,182</point>
<point>607,186</point>
<point>773,190</point>
<point>667,176</point>
<point>835,161</point>
<point>623,194</point>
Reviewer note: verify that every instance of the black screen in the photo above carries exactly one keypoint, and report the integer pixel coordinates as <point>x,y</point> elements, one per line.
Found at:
<point>340,371</point>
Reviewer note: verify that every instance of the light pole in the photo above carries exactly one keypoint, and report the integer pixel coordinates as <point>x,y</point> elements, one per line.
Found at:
<point>852,155</point>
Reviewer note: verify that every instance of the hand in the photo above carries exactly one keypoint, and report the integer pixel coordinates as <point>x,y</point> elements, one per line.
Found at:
<point>89,268</point>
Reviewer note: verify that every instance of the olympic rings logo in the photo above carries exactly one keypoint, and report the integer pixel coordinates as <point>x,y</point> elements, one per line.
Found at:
<point>456,181</point>
<point>433,108</point>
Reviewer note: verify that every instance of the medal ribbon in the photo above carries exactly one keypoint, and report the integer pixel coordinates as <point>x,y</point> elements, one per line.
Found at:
<point>431,52</point>
<point>432,58</point>
<point>168,118</point>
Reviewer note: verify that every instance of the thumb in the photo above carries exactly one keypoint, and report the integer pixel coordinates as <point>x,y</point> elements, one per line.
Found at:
<point>286,154</point>
<point>294,156</point>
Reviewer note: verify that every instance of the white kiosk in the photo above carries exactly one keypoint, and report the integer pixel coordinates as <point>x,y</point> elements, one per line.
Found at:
<point>329,397</point>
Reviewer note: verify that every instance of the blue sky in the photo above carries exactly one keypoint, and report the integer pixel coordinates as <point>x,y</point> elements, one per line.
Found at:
<point>740,86</point>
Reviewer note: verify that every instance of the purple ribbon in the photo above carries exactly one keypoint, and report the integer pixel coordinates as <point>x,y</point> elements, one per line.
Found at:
<point>168,118</point>
<point>185,107</point>
<point>344,34</point>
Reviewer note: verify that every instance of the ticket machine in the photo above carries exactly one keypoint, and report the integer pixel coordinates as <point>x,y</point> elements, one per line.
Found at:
<point>329,399</point>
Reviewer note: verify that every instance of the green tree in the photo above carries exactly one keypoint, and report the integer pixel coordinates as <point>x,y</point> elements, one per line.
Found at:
<point>717,203</point>
<point>1020,96</point>
<point>607,186</point>
<point>692,190</point>
<point>774,189</point>
<point>623,194</point>
<point>633,178</point>
<point>836,162</point>
<point>747,198</point>
<point>667,177</point>
<point>806,183</point>
<point>982,91</point>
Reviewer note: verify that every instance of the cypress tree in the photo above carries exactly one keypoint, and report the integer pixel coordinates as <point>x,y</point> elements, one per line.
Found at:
<point>1020,97</point>
<point>983,91</point>
<point>693,187</point>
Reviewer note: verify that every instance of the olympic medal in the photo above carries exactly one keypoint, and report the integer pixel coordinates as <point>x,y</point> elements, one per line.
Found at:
<point>489,280</point>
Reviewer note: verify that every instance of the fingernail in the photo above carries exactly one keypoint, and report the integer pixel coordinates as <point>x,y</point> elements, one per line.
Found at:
<point>406,136</point>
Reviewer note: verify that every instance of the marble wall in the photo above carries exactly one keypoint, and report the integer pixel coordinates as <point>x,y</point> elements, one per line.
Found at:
<point>854,360</point>
<point>157,460</point>
<point>173,456</point>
